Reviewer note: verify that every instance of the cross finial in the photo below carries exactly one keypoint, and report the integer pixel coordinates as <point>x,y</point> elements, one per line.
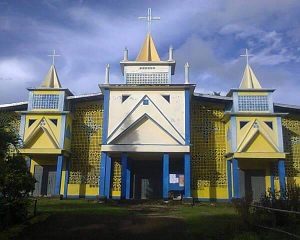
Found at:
<point>149,19</point>
<point>247,55</point>
<point>53,55</point>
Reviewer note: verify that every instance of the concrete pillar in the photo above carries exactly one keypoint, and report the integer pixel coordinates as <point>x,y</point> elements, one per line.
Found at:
<point>102,174</point>
<point>187,175</point>
<point>281,175</point>
<point>166,176</point>
<point>67,178</point>
<point>229,179</point>
<point>107,176</point>
<point>59,164</point>
<point>236,180</point>
<point>125,182</point>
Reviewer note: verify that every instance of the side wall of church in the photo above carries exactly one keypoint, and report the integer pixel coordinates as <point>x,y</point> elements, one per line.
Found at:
<point>85,148</point>
<point>291,136</point>
<point>208,146</point>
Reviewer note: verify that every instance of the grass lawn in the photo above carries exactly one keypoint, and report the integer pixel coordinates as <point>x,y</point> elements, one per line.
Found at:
<point>82,219</point>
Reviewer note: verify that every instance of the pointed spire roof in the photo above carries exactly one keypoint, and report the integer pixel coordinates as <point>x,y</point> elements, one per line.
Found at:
<point>148,52</point>
<point>51,80</point>
<point>249,80</point>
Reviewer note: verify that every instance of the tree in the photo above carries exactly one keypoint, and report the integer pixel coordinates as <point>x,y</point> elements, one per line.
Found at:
<point>16,182</point>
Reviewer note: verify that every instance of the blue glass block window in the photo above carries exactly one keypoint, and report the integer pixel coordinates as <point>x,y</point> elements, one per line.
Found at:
<point>45,101</point>
<point>147,78</point>
<point>253,103</point>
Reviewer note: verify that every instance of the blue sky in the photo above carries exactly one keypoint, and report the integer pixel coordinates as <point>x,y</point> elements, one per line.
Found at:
<point>210,35</point>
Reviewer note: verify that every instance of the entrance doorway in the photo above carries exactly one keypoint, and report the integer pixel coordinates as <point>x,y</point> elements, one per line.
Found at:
<point>146,179</point>
<point>45,177</point>
<point>253,181</point>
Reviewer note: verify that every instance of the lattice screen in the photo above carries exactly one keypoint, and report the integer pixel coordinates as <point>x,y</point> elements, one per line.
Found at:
<point>291,137</point>
<point>86,140</point>
<point>116,177</point>
<point>208,145</point>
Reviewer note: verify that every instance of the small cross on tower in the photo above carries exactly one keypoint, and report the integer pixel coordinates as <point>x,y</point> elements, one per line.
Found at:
<point>149,19</point>
<point>247,55</point>
<point>53,55</point>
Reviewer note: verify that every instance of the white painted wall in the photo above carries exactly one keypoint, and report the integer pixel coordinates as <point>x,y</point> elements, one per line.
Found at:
<point>168,119</point>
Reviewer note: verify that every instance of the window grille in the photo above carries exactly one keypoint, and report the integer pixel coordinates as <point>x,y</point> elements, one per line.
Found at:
<point>253,103</point>
<point>147,78</point>
<point>45,101</point>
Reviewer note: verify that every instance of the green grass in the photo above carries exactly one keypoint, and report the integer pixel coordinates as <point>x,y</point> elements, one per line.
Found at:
<point>83,219</point>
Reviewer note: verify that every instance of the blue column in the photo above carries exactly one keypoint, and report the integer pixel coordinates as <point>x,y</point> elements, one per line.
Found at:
<point>166,176</point>
<point>187,117</point>
<point>281,175</point>
<point>107,176</point>
<point>105,116</point>
<point>229,179</point>
<point>102,174</point>
<point>125,182</point>
<point>59,165</point>
<point>236,182</point>
<point>67,178</point>
<point>187,175</point>
<point>272,179</point>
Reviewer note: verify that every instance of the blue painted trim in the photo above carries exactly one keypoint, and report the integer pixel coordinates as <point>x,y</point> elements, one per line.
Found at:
<point>61,101</point>
<point>28,162</point>
<point>107,176</point>
<point>281,175</point>
<point>229,179</point>
<point>280,135</point>
<point>166,176</point>
<point>169,75</point>
<point>270,102</point>
<point>22,127</point>
<point>187,175</point>
<point>66,178</point>
<point>128,173</point>
<point>235,107</point>
<point>105,116</point>
<point>236,181</point>
<point>175,187</point>
<point>233,131</point>
<point>102,174</point>
<point>272,178</point>
<point>124,162</point>
<point>58,174</point>
<point>30,99</point>
<point>62,131</point>
<point>187,117</point>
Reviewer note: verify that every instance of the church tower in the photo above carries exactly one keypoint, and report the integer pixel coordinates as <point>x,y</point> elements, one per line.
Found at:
<point>45,133</point>
<point>255,143</point>
<point>146,126</point>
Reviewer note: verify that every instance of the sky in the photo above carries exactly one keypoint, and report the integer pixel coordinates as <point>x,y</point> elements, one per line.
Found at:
<point>209,35</point>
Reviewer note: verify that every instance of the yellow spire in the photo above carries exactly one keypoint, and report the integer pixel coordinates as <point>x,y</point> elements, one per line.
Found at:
<point>51,80</point>
<point>249,79</point>
<point>148,52</point>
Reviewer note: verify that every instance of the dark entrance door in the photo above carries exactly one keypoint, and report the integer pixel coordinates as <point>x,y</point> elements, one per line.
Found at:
<point>45,177</point>
<point>146,180</point>
<point>255,183</point>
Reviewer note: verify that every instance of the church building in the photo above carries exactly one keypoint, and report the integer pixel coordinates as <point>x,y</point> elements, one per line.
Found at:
<point>149,138</point>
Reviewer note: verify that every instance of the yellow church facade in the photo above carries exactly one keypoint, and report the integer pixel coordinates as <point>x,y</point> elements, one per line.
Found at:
<point>149,138</point>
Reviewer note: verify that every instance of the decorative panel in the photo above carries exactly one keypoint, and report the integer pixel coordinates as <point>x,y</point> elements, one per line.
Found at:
<point>86,140</point>
<point>208,145</point>
<point>116,177</point>
<point>291,137</point>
